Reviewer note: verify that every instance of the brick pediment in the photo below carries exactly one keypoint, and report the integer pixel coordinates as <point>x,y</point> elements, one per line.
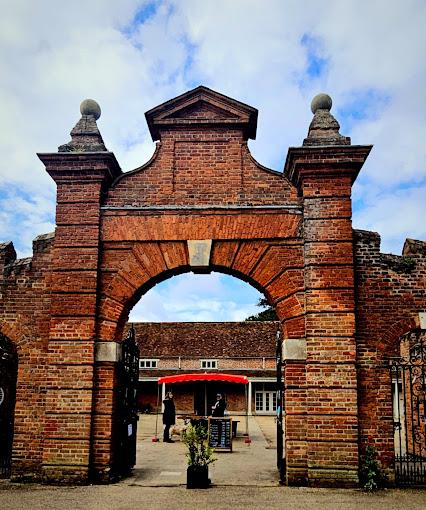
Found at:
<point>202,110</point>
<point>202,106</point>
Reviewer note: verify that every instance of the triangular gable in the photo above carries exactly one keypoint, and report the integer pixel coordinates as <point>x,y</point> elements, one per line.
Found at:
<point>202,106</point>
<point>202,110</point>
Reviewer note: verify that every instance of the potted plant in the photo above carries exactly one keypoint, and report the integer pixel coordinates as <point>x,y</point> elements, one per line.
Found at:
<point>200,455</point>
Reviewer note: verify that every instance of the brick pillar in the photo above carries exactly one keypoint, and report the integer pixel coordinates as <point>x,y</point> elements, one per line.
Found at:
<point>80,179</point>
<point>296,447</point>
<point>324,176</point>
<point>294,356</point>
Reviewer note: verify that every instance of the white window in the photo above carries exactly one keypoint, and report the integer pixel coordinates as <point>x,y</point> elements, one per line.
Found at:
<point>266,401</point>
<point>208,363</point>
<point>148,363</point>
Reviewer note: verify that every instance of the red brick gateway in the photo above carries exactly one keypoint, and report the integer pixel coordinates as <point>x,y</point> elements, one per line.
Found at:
<point>202,203</point>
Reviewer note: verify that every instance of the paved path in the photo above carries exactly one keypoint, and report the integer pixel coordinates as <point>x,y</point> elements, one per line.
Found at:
<point>164,464</point>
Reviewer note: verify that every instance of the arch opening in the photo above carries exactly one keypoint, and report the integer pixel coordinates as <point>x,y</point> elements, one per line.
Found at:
<point>8,378</point>
<point>273,267</point>
<point>188,297</point>
<point>201,343</point>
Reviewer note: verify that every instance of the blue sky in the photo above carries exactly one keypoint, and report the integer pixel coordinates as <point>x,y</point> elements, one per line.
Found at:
<point>275,55</point>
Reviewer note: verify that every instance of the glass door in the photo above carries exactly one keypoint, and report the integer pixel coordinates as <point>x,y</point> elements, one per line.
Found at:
<point>266,401</point>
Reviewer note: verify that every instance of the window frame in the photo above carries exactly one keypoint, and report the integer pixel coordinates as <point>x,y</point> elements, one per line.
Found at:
<point>209,364</point>
<point>152,361</point>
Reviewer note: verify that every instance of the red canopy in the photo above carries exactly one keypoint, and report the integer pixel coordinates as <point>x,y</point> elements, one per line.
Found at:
<point>170,379</point>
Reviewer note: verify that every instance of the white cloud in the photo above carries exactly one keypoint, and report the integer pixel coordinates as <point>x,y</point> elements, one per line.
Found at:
<point>54,54</point>
<point>197,298</point>
<point>391,212</point>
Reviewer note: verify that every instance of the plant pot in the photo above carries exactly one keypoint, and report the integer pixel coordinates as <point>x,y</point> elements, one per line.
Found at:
<point>197,477</point>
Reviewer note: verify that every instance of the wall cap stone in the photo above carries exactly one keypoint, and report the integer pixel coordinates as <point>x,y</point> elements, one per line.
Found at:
<point>322,161</point>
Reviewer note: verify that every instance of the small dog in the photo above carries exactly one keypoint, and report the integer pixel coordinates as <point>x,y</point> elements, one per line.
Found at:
<point>177,431</point>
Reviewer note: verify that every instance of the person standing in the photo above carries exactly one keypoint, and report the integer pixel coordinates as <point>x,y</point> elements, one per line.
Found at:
<point>218,409</point>
<point>169,416</point>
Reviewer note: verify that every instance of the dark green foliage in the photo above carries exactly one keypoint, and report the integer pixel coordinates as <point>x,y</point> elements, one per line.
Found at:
<point>196,439</point>
<point>268,315</point>
<point>371,476</point>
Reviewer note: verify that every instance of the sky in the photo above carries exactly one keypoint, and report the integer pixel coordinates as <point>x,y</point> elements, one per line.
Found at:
<point>275,55</point>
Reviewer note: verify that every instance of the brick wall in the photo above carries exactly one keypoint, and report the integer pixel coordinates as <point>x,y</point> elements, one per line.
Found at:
<point>289,235</point>
<point>24,319</point>
<point>390,291</point>
<point>186,164</point>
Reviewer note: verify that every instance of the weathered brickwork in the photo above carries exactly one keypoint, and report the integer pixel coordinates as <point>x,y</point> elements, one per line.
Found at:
<point>25,302</point>
<point>342,305</point>
<point>390,291</point>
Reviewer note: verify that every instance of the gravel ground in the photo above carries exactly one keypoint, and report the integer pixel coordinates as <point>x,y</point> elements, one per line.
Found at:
<point>123,496</point>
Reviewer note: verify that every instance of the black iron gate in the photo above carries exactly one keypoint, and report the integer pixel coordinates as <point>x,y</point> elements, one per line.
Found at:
<point>128,404</point>
<point>408,377</point>
<point>279,418</point>
<point>8,372</point>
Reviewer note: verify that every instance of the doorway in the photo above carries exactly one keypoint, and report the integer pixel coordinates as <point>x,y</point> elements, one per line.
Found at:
<point>265,398</point>
<point>8,375</point>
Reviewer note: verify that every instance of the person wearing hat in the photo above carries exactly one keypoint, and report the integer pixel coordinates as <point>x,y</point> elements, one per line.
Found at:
<point>218,409</point>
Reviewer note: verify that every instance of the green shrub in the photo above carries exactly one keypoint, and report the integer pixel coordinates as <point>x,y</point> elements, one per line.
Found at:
<point>196,439</point>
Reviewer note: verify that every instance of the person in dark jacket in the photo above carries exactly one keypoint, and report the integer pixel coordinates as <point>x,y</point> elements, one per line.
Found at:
<point>218,410</point>
<point>169,416</point>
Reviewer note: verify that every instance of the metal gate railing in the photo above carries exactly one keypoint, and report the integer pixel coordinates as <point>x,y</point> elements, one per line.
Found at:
<point>127,406</point>
<point>408,377</point>
<point>279,419</point>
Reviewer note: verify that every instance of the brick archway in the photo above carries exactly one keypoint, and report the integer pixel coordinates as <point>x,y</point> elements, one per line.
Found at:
<point>274,268</point>
<point>375,392</point>
<point>26,380</point>
<point>202,203</point>
<point>390,339</point>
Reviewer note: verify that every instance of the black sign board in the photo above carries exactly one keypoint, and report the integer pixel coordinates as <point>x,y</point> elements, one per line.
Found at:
<point>220,430</point>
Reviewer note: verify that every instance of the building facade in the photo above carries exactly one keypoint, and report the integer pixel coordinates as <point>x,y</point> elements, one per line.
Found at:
<point>237,348</point>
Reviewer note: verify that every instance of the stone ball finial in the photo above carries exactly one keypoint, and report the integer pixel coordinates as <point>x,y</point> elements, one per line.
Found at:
<point>321,102</point>
<point>90,107</point>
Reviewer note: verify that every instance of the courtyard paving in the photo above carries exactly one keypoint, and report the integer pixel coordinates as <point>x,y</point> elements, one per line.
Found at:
<point>249,464</point>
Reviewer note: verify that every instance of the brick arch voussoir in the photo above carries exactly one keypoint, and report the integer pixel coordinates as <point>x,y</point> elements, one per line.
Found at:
<point>16,333</point>
<point>260,263</point>
<point>239,259</point>
<point>291,317</point>
<point>387,344</point>
<point>144,262</point>
<point>150,263</point>
<point>145,265</point>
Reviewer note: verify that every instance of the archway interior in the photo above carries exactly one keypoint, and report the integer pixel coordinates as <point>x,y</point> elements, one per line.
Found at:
<point>199,303</point>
